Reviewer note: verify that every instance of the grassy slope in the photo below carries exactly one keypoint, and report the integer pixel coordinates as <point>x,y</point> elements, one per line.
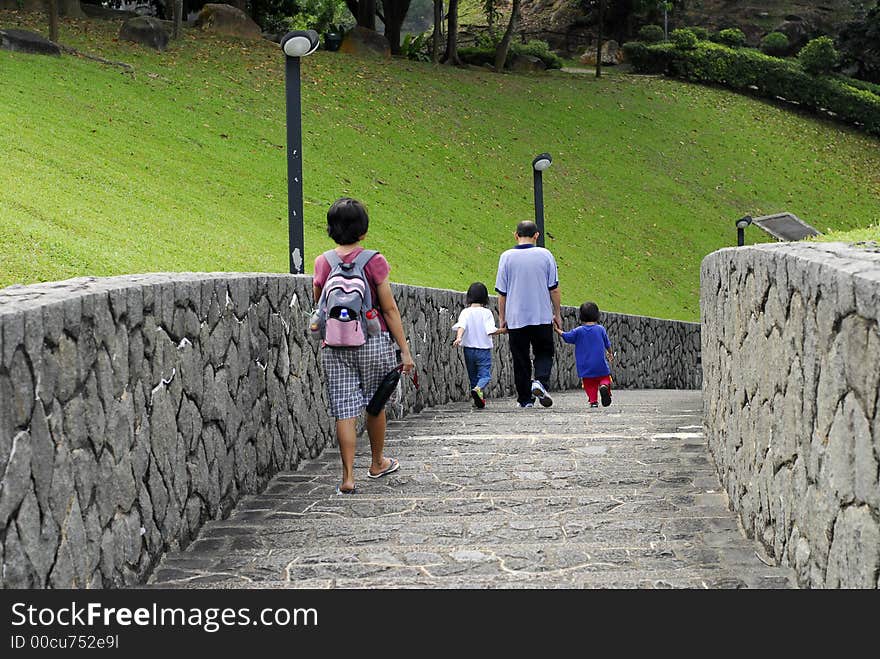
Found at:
<point>182,167</point>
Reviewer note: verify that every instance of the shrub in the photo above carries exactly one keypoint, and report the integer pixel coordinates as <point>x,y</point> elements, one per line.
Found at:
<point>476,55</point>
<point>701,32</point>
<point>771,77</point>
<point>647,59</point>
<point>415,47</point>
<point>536,48</point>
<point>684,39</point>
<point>818,56</point>
<point>732,36</point>
<point>651,34</point>
<point>775,43</point>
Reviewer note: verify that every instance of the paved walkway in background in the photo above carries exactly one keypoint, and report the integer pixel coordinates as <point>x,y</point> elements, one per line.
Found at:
<point>563,497</point>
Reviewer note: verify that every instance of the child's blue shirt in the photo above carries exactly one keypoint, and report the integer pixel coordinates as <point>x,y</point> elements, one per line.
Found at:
<point>590,343</point>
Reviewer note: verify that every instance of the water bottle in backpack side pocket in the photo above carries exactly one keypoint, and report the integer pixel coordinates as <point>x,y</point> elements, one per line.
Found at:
<point>372,324</point>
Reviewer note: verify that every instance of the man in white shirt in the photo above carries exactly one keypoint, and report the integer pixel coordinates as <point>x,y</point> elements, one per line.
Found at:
<point>528,306</point>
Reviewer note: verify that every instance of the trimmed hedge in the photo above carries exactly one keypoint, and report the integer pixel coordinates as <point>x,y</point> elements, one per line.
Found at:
<point>480,56</point>
<point>732,36</point>
<point>771,77</point>
<point>652,34</point>
<point>775,43</point>
<point>684,38</point>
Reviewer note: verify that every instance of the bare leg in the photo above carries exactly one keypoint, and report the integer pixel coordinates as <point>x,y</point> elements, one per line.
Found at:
<point>376,431</point>
<point>346,435</point>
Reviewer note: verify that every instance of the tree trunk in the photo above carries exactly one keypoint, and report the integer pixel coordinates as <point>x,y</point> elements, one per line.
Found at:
<point>53,20</point>
<point>178,19</point>
<point>452,35</point>
<point>504,45</point>
<point>438,20</point>
<point>599,39</point>
<point>364,12</point>
<point>395,14</point>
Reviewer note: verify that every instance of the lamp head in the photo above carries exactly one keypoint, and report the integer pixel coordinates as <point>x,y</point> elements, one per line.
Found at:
<point>743,222</point>
<point>300,43</point>
<point>542,162</point>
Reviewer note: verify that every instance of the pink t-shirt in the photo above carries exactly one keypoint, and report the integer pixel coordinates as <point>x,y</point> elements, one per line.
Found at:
<point>376,271</point>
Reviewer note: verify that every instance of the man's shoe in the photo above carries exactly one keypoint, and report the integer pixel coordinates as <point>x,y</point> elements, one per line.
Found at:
<point>479,398</point>
<point>541,394</point>
<point>605,393</point>
<point>523,405</point>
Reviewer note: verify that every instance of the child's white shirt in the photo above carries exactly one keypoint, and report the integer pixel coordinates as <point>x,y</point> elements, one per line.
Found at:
<point>478,324</point>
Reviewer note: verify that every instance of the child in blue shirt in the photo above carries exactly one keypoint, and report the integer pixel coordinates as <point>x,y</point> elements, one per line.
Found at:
<point>592,353</point>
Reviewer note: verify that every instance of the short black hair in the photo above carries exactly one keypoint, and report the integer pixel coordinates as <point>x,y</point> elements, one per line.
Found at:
<point>477,294</point>
<point>526,229</point>
<point>347,221</point>
<point>589,312</point>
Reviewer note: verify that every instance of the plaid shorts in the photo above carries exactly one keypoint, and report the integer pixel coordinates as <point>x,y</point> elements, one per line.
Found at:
<point>354,374</point>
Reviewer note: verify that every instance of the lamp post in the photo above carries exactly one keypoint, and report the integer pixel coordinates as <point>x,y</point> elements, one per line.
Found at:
<point>296,45</point>
<point>539,164</point>
<point>741,225</point>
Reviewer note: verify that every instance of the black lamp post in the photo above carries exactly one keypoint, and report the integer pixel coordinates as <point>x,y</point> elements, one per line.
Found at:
<point>296,44</point>
<point>741,225</point>
<point>539,164</point>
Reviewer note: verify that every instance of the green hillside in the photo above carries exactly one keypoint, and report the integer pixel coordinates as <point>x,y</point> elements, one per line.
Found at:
<point>181,166</point>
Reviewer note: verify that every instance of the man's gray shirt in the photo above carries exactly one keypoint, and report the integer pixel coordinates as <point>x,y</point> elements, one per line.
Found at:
<point>526,275</point>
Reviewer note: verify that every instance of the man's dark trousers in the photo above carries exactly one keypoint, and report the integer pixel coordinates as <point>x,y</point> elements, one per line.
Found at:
<point>540,339</point>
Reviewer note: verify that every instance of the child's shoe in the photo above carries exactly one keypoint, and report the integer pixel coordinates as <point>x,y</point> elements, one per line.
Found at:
<point>479,398</point>
<point>605,393</point>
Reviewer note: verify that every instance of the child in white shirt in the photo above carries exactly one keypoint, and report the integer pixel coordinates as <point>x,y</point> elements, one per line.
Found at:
<point>476,326</point>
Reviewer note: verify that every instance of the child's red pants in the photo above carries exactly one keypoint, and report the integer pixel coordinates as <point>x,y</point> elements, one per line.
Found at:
<point>591,386</point>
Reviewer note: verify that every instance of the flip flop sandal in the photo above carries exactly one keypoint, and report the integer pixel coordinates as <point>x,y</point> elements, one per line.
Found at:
<point>340,491</point>
<point>394,466</point>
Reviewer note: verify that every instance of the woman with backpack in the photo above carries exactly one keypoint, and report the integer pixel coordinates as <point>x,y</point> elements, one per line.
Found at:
<point>357,352</point>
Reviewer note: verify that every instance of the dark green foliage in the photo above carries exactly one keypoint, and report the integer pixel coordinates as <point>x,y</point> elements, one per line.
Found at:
<point>476,55</point>
<point>651,34</point>
<point>860,45</point>
<point>684,38</point>
<point>819,56</point>
<point>416,47</point>
<point>539,49</point>
<point>771,77</point>
<point>732,36</point>
<point>701,32</point>
<point>645,58</point>
<point>481,55</point>
<point>775,43</point>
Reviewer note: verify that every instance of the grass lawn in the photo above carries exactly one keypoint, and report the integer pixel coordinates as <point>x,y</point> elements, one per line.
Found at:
<point>868,234</point>
<point>181,167</point>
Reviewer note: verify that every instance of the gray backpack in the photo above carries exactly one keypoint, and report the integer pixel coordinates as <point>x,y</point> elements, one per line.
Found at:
<point>345,313</point>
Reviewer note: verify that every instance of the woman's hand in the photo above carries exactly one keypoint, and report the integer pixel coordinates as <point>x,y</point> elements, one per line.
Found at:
<point>407,361</point>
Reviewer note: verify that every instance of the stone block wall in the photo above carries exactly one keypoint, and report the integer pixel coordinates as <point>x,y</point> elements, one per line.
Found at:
<point>134,408</point>
<point>791,371</point>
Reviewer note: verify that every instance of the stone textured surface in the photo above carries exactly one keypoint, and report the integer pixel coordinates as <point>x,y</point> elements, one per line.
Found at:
<point>563,497</point>
<point>133,409</point>
<point>791,360</point>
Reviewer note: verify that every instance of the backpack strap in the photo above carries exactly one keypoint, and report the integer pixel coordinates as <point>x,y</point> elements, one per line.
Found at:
<point>364,257</point>
<point>360,262</point>
<point>332,258</point>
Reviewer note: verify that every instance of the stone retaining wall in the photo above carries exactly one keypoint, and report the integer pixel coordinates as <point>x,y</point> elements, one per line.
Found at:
<point>791,371</point>
<point>134,408</point>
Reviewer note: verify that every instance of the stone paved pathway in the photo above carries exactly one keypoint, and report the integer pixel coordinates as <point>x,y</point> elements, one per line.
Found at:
<point>499,498</point>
